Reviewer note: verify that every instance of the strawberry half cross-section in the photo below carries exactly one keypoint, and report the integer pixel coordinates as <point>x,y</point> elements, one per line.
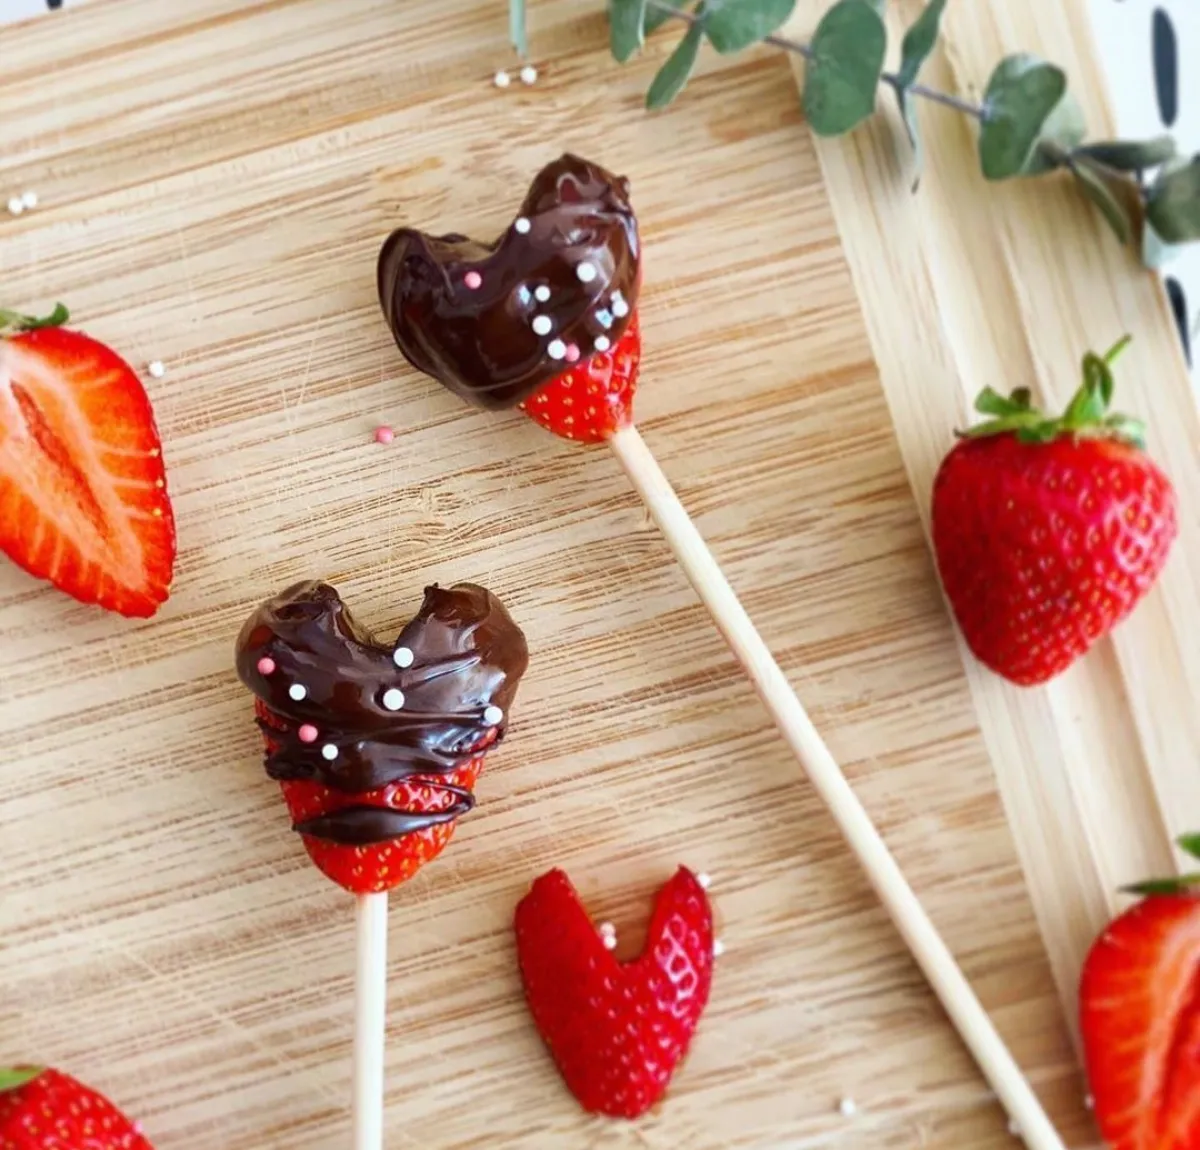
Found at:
<point>83,492</point>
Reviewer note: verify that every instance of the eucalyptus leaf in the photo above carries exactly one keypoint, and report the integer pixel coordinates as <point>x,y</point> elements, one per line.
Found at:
<point>1094,185</point>
<point>1156,252</point>
<point>1131,155</point>
<point>658,12</point>
<point>673,75</point>
<point>918,42</point>
<point>1021,96</point>
<point>1173,204</point>
<point>1061,133</point>
<point>626,19</point>
<point>843,72</point>
<point>732,25</point>
<point>517,31</point>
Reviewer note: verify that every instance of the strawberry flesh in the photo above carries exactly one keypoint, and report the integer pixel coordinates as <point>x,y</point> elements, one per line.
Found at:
<point>1140,1020</point>
<point>617,1030</point>
<point>83,500</point>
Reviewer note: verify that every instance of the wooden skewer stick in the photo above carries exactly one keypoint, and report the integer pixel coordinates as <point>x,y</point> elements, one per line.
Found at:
<point>370,1009</point>
<point>906,911</point>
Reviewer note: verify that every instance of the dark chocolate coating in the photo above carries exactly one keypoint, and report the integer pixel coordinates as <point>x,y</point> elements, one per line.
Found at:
<point>468,655</point>
<point>480,342</point>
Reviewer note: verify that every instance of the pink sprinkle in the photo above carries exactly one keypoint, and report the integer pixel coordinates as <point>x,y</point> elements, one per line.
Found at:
<point>473,280</point>
<point>266,665</point>
<point>308,733</point>
<point>572,353</point>
<point>384,435</point>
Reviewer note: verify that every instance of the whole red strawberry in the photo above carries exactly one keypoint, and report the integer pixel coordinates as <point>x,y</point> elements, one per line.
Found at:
<point>1140,1018</point>
<point>83,499</point>
<point>616,1030</point>
<point>48,1110</point>
<point>593,399</point>
<point>1048,531</point>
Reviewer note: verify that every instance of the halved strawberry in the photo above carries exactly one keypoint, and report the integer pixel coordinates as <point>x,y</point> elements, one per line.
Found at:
<point>1140,1019</point>
<point>83,498</point>
<point>593,399</point>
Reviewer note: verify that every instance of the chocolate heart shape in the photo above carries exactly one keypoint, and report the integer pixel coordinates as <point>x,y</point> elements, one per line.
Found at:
<point>356,715</point>
<point>496,322</point>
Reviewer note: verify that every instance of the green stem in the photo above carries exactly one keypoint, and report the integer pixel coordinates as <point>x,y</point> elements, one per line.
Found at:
<point>12,322</point>
<point>805,50</point>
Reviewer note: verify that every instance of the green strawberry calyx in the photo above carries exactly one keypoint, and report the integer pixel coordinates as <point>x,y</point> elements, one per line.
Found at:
<point>1087,415</point>
<point>1188,884</point>
<point>13,322</point>
<point>14,1077</point>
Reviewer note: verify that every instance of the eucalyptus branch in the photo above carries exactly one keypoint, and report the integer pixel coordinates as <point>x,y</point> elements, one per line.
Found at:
<point>798,48</point>
<point>1029,123</point>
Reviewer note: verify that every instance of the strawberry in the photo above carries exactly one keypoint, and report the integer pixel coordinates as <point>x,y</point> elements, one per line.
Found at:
<point>1048,531</point>
<point>83,499</point>
<point>374,867</point>
<point>377,746</point>
<point>48,1110</point>
<point>1140,1018</point>
<point>617,1030</point>
<point>593,399</point>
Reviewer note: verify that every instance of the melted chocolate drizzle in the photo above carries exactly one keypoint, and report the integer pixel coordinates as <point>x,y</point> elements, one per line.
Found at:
<point>464,312</point>
<point>467,656</point>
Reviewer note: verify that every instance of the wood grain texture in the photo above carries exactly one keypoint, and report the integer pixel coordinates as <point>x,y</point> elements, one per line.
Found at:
<point>1007,284</point>
<point>216,179</point>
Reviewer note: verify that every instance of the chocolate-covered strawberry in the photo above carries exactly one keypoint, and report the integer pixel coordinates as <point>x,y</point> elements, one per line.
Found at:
<point>377,746</point>
<point>544,317</point>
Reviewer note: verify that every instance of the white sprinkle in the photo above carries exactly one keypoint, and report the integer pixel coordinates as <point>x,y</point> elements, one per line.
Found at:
<point>718,948</point>
<point>522,225</point>
<point>847,1107</point>
<point>556,349</point>
<point>15,206</point>
<point>542,324</point>
<point>586,272</point>
<point>29,200</point>
<point>619,307</point>
<point>157,369</point>
<point>329,752</point>
<point>493,715</point>
<point>393,698</point>
<point>502,79</point>
<point>529,74</point>
<point>298,692</point>
<point>602,343</point>
<point>402,657</point>
<point>609,940</point>
<point>704,879</point>
<point>542,293</point>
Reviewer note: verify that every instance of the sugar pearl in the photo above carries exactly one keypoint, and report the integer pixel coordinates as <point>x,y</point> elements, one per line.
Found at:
<point>523,225</point>
<point>602,343</point>
<point>493,716</point>
<point>15,206</point>
<point>586,272</point>
<point>848,1108</point>
<point>29,200</point>
<point>718,948</point>
<point>473,280</point>
<point>542,324</point>
<point>384,435</point>
<point>542,293</point>
<point>157,369</point>
<point>393,699</point>
<point>402,657</point>
<point>329,752</point>
<point>556,349</point>
<point>502,79</point>
<point>298,692</point>
<point>307,733</point>
<point>266,665</point>
<point>529,74</point>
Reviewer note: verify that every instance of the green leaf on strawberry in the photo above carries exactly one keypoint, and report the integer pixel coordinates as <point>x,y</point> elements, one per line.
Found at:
<point>14,1077</point>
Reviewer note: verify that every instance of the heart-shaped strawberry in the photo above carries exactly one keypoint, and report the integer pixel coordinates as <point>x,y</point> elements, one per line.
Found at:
<point>497,322</point>
<point>376,747</point>
<point>616,1030</point>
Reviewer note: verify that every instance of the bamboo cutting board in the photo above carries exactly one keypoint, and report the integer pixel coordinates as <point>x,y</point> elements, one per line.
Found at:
<point>216,179</point>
